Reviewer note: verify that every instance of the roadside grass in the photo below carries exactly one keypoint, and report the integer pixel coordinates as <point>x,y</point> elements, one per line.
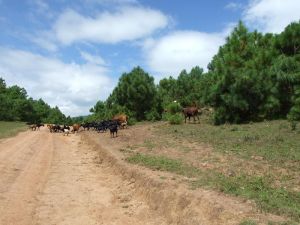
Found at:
<point>164,164</point>
<point>272,140</point>
<point>282,223</point>
<point>8,129</point>
<point>259,189</point>
<point>248,222</point>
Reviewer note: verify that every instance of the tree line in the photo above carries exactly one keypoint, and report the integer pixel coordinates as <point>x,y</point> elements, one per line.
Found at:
<point>253,77</point>
<point>15,105</point>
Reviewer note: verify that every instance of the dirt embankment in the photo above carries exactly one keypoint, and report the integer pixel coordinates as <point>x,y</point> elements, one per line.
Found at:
<point>171,196</point>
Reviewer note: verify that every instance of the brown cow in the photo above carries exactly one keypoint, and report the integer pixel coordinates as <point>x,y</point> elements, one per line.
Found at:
<point>191,112</point>
<point>33,127</point>
<point>76,127</point>
<point>36,126</point>
<point>122,119</point>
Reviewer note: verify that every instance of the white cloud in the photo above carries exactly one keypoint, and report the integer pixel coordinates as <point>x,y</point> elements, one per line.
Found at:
<point>181,50</point>
<point>41,8</point>
<point>41,5</point>
<point>93,59</point>
<point>186,49</point>
<point>272,15</point>
<point>74,88</point>
<point>233,6</point>
<point>45,43</point>
<point>112,1</point>
<point>128,23</point>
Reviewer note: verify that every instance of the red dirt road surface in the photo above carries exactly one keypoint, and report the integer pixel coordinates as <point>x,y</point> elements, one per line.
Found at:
<point>54,179</point>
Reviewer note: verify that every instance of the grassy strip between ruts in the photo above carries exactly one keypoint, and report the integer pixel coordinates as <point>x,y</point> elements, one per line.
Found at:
<point>8,129</point>
<point>267,198</point>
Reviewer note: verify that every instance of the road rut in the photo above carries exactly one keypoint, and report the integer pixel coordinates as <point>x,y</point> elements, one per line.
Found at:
<point>54,179</point>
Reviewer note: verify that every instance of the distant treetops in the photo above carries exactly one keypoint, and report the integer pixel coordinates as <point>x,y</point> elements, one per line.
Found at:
<point>15,105</point>
<point>253,76</point>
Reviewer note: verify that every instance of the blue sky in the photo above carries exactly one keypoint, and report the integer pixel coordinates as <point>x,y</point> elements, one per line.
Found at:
<point>71,53</point>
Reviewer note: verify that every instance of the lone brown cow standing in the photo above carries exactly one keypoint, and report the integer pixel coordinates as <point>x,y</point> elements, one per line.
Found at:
<point>191,112</point>
<point>76,127</point>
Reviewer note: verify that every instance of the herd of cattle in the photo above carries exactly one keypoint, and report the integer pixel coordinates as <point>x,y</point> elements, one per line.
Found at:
<point>117,122</point>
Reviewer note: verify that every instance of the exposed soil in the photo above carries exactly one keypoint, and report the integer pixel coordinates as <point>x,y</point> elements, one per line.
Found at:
<point>55,179</point>
<point>169,193</point>
<point>49,178</point>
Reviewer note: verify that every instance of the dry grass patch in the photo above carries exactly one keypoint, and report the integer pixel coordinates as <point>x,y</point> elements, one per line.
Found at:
<point>8,129</point>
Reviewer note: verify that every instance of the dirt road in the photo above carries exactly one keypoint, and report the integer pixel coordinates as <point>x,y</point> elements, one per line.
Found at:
<point>54,179</point>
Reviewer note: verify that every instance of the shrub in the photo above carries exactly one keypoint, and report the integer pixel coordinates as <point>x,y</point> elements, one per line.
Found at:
<point>293,125</point>
<point>131,121</point>
<point>153,115</point>
<point>174,108</point>
<point>175,119</point>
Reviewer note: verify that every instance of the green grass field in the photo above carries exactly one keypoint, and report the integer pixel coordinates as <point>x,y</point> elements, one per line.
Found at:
<point>264,158</point>
<point>8,129</point>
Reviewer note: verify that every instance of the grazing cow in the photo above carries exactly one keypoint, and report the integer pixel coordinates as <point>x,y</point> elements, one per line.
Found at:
<point>191,112</point>
<point>121,119</point>
<point>54,128</point>
<point>66,131</point>
<point>32,127</point>
<point>76,127</point>
<point>102,126</point>
<point>37,126</point>
<point>89,125</point>
<point>50,127</point>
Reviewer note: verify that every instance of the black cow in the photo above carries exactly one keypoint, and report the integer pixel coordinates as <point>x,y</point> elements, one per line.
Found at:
<point>113,128</point>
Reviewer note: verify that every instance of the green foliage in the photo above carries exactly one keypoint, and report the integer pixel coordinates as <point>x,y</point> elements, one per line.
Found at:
<point>187,89</point>
<point>16,106</point>
<point>256,76</point>
<point>173,113</point>
<point>8,129</point>
<point>131,121</point>
<point>164,164</point>
<point>55,116</point>
<point>153,115</point>
<point>248,222</point>
<point>136,92</point>
<point>175,118</point>
<point>135,95</point>
<point>174,108</point>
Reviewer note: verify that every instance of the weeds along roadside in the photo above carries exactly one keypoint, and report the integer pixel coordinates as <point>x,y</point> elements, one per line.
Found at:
<point>273,141</point>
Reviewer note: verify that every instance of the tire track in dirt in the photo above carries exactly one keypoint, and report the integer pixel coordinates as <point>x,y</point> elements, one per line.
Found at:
<point>54,179</point>
<point>24,167</point>
<point>81,191</point>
